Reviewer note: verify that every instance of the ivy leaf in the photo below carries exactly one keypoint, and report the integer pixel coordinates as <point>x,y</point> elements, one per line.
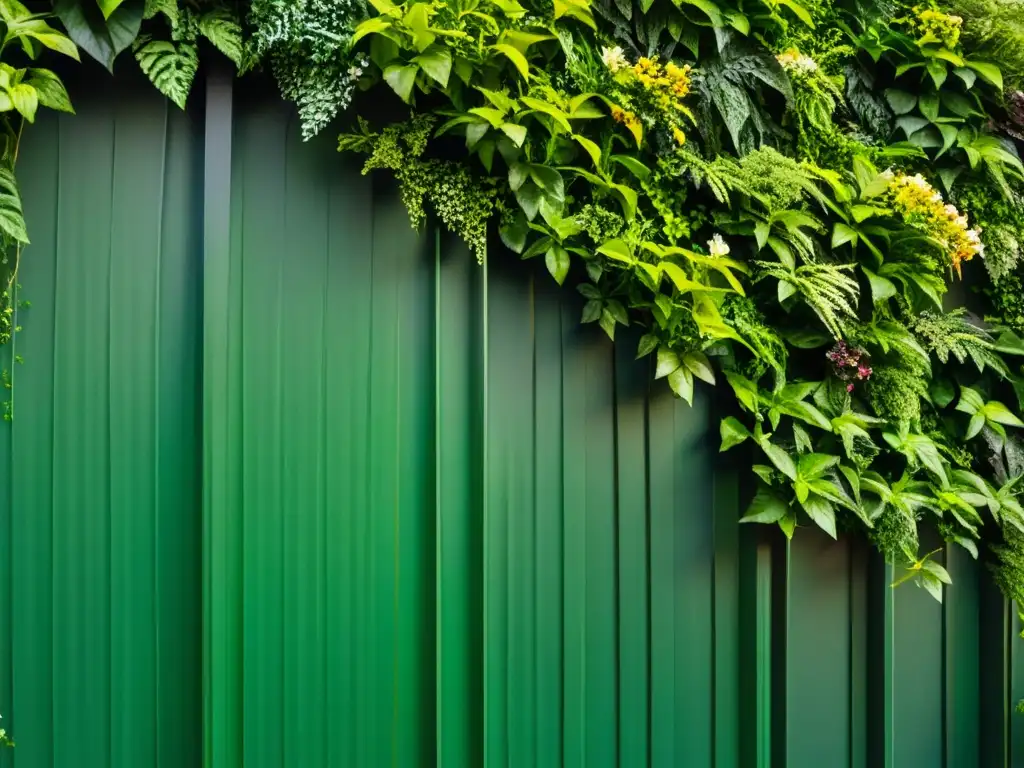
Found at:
<point>50,90</point>
<point>557,262</point>
<point>401,79</point>
<point>765,508</point>
<point>733,433</point>
<point>668,362</point>
<point>12,222</point>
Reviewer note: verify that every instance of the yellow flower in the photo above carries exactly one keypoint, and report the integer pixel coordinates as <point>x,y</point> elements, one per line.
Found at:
<point>678,135</point>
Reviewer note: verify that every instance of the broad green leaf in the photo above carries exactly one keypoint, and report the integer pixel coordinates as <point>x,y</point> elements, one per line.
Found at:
<point>901,102</point>
<point>733,433</point>
<point>437,64</point>
<point>668,362</point>
<point>681,382</point>
<point>557,262</point>
<point>591,148</point>
<point>765,508</point>
<point>371,27</point>
<point>648,343</point>
<point>618,250</point>
<point>171,68</point>
<point>51,91</point>
<point>517,59</point>
<point>842,234</point>
<point>103,39</point>
<point>12,222</point>
<point>25,100</point>
<point>539,105</point>
<point>1000,414</point>
<point>780,459</point>
<point>822,513</point>
<point>881,288</point>
<point>989,72</point>
<point>814,465</point>
<point>515,132</point>
<point>699,366</point>
<point>401,79</point>
<point>221,27</point>
<point>970,401</point>
<point>107,7</point>
<point>514,234</point>
<point>633,165</point>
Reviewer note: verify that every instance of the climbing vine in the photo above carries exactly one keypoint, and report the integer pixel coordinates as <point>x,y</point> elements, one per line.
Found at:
<point>816,204</point>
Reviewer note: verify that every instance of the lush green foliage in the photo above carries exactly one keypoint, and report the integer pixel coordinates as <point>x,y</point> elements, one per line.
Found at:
<point>780,195</point>
<point>790,198</point>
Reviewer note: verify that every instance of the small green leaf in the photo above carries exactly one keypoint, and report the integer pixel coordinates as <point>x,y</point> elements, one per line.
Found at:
<point>437,64</point>
<point>681,382</point>
<point>765,508</point>
<point>648,343</point>
<point>517,58</point>
<point>989,72</point>
<point>557,262</point>
<point>515,132</point>
<point>50,90</point>
<point>901,102</point>
<point>822,513</point>
<point>668,362</point>
<point>699,366</point>
<point>401,79</point>
<point>25,100</point>
<point>12,222</point>
<point>733,433</point>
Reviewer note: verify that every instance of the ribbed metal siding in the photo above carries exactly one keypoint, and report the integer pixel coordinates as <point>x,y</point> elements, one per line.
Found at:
<point>100,592</point>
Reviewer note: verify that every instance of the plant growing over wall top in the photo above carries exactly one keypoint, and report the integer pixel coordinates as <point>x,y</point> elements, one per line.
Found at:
<point>815,204</point>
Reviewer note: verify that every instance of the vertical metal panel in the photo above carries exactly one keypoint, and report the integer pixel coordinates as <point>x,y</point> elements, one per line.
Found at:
<point>101,646</point>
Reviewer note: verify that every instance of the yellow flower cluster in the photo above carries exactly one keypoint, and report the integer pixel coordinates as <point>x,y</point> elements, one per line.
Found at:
<point>921,206</point>
<point>669,84</point>
<point>936,27</point>
<point>627,118</point>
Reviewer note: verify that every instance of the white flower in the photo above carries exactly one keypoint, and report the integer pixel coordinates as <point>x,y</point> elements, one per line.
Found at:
<point>718,247</point>
<point>794,61</point>
<point>951,211</point>
<point>614,59</point>
<point>936,197</point>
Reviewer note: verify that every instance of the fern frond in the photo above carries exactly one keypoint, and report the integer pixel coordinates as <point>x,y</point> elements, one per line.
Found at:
<point>952,334</point>
<point>827,289</point>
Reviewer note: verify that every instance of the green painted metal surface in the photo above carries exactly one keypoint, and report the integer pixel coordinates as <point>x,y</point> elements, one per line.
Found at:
<point>100,654</point>
<point>290,484</point>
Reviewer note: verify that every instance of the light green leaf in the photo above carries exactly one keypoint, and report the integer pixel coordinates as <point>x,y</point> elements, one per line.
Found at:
<point>668,362</point>
<point>25,100</point>
<point>618,250</point>
<point>107,7</point>
<point>12,222</point>
<point>591,148</point>
<point>699,366</point>
<point>517,59</point>
<point>437,64</point>
<point>822,513</point>
<point>881,288</point>
<point>989,72</point>
<point>1000,414</point>
<point>733,433</point>
<point>222,28</point>
<point>170,68</point>
<point>842,234</point>
<point>765,508</point>
<point>557,262</point>
<point>681,382</point>
<point>50,90</point>
<point>401,79</point>
<point>371,27</point>
<point>780,459</point>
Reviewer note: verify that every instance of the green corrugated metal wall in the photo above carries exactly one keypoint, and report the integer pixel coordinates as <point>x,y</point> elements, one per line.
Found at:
<point>279,459</point>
